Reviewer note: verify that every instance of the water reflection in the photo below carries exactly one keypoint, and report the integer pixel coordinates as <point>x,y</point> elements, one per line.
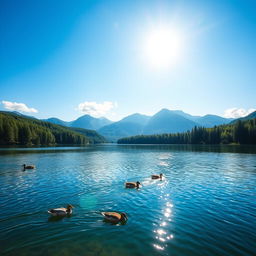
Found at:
<point>162,163</point>
<point>165,156</point>
<point>206,200</point>
<point>162,229</point>
<point>196,148</point>
<point>57,218</point>
<point>106,147</point>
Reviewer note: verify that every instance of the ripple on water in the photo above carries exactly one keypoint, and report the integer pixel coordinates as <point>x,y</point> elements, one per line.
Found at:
<point>204,205</point>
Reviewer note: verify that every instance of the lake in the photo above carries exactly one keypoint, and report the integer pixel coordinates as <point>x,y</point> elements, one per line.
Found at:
<point>205,205</point>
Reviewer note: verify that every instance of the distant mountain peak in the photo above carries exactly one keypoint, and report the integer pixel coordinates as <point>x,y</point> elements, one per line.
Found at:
<point>89,122</point>
<point>164,121</point>
<point>164,110</point>
<point>86,122</point>
<point>136,118</point>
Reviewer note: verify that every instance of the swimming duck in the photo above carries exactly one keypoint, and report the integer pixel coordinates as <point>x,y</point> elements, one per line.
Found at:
<point>156,176</point>
<point>61,211</point>
<point>115,217</point>
<point>28,166</point>
<point>132,184</point>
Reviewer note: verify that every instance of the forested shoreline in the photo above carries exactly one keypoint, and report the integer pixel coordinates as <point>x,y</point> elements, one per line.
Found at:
<point>19,130</point>
<point>241,132</point>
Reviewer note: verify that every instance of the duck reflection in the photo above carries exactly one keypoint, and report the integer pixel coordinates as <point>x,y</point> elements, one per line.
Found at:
<point>57,218</point>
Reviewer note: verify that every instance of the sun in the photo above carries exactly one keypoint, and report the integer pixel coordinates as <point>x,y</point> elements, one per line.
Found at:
<point>162,47</point>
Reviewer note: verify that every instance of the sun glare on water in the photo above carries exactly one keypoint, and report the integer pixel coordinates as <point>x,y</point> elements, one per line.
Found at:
<point>162,47</point>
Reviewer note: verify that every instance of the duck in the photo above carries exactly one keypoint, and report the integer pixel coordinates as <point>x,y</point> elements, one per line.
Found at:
<point>61,211</point>
<point>28,166</point>
<point>132,184</point>
<point>157,176</point>
<point>115,217</point>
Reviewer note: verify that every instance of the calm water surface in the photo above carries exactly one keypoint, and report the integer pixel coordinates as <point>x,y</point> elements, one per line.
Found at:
<point>205,205</point>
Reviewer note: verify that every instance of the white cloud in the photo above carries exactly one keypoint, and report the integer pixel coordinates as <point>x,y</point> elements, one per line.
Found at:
<point>96,109</point>
<point>14,106</point>
<point>237,112</point>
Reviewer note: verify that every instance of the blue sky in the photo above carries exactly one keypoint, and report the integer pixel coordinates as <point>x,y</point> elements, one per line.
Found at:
<point>68,58</point>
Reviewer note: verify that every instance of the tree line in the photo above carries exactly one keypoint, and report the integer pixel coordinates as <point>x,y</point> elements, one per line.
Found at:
<point>18,130</point>
<point>241,132</point>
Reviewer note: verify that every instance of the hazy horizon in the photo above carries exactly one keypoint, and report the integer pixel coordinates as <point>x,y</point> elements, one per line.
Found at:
<point>27,114</point>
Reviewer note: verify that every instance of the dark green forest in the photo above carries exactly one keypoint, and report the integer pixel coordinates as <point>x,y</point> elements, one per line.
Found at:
<point>19,130</point>
<point>240,132</point>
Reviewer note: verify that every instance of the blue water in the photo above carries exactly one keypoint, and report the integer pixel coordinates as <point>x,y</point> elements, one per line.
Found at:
<point>205,205</point>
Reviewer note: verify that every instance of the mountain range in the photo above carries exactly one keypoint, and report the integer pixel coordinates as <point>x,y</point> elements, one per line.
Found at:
<point>164,121</point>
<point>98,130</point>
<point>85,121</point>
